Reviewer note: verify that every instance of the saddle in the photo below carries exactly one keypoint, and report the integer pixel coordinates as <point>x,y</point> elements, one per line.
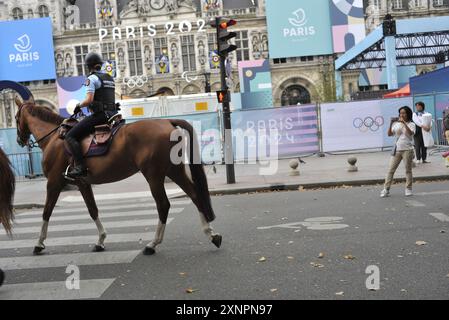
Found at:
<point>98,143</point>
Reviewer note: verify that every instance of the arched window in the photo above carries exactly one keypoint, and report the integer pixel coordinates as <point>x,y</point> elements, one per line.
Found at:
<point>43,11</point>
<point>191,89</point>
<point>30,13</point>
<point>166,91</point>
<point>295,95</point>
<point>17,14</point>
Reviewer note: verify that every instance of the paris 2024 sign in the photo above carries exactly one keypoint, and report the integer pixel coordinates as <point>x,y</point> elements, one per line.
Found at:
<point>26,50</point>
<point>299,28</point>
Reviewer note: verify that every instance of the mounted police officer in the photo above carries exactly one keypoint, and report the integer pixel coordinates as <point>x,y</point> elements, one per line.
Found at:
<point>100,100</point>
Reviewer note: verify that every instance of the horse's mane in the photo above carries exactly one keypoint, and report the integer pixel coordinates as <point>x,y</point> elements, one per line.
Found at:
<point>46,114</point>
<point>7,187</point>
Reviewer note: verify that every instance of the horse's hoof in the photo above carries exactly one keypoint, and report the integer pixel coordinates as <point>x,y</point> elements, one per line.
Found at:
<point>216,240</point>
<point>98,248</point>
<point>2,277</point>
<point>38,250</point>
<point>149,251</point>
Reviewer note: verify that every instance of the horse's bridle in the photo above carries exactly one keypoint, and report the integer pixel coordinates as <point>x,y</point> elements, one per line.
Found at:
<point>19,133</point>
<point>30,144</point>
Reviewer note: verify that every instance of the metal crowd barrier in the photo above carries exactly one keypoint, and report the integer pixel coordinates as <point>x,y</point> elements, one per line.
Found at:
<point>26,165</point>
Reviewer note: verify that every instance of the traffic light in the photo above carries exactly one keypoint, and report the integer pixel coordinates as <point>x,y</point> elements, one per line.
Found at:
<point>223,36</point>
<point>223,96</point>
<point>389,26</point>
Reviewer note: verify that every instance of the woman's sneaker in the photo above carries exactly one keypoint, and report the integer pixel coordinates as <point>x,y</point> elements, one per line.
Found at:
<point>385,193</point>
<point>408,192</point>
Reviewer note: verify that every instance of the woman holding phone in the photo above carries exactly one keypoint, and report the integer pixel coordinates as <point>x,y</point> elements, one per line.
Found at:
<point>404,130</point>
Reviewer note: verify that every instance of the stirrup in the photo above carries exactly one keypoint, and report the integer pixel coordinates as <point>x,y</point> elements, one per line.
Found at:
<point>67,176</point>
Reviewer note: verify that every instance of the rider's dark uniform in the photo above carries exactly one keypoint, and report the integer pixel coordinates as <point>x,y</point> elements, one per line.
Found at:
<point>102,108</point>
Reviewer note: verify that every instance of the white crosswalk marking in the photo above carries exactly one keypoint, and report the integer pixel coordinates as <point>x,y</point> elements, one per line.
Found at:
<point>103,208</point>
<point>88,226</point>
<point>128,195</point>
<point>440,216</point>
<point>85,216</point>
<point>130,222</point>
<point>76,241</point>
<point>63,260</point>
<point>89,289</point>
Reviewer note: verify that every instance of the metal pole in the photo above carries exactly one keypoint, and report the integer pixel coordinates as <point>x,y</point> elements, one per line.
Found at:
<point>229,153</point>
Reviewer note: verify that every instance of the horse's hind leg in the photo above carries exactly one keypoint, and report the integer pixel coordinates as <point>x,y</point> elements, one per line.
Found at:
<point>89,199</point>
<point>163,207</point>
<point>179,176</point>
<point>53,192</point>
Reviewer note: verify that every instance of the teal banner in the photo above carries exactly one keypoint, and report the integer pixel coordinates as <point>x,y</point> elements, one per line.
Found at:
<point>299,28</point>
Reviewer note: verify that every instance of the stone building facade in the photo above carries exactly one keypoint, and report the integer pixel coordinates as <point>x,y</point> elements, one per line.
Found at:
<point>181,43</point>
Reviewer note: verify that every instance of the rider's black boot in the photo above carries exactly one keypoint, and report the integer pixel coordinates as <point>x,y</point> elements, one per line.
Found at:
<point>79,170</point>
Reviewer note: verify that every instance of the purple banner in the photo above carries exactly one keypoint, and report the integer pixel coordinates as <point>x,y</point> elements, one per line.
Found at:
<point>293,129</point>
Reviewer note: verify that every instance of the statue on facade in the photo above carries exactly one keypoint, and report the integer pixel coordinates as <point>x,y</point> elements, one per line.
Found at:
<point>147,57</point>
<point>144,7</point>
<point>186,4</point>
<point>59,62</point>
<point>172,6</point>
<point>121,57</point>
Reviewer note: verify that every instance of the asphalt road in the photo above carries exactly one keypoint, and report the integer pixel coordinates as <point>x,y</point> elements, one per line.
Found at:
<point>282,245</point>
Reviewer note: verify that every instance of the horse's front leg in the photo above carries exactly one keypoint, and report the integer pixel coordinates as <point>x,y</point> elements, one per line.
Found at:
<point>89,199</point>
<point>53,192</point>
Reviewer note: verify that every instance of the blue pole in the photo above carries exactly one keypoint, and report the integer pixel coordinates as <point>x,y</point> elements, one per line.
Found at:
<point>338,85</point>
<point>392,70</point>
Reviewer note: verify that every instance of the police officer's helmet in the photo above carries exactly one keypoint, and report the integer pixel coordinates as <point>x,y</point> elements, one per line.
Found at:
<point>94,61</point>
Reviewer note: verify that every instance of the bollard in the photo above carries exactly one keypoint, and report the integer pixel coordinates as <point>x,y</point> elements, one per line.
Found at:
<point>352,164</point>
<point>294,164</point>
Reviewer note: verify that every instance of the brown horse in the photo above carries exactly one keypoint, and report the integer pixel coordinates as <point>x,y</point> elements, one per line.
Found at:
<point>7,186</point>
<point>143,146</point>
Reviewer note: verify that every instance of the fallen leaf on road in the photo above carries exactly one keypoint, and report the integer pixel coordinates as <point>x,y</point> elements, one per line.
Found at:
<point>321,255</point>
<point>191,290</point>
<point>273,290</point>
<point>316,265</point>
<point>340,293</point>
<point>421,243</point>
<point>349,257</point>
<point>263,259</point>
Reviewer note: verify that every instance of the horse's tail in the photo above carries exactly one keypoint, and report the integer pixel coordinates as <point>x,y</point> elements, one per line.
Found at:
<point>196,168</point>
<point>7,187</point>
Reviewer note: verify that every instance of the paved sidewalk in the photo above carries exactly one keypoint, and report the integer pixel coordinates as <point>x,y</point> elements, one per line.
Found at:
<point>330,171</point>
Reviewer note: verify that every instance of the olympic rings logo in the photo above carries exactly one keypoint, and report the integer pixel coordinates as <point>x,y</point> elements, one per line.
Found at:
<point>369,124</point>
<point>135,81</point>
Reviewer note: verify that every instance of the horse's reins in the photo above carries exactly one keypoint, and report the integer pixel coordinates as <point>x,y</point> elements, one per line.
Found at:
<point>34,144</point>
